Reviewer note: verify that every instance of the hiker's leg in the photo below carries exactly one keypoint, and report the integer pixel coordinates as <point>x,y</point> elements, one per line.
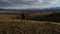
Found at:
<point>24,20</point>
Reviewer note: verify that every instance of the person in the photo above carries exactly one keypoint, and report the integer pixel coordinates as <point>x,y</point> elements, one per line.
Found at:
<point>22,16</point>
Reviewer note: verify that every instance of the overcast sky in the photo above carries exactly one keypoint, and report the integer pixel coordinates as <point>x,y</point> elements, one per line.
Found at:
<point>25,4</point>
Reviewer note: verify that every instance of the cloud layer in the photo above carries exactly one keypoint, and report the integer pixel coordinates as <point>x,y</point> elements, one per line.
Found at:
<point>8,3</point>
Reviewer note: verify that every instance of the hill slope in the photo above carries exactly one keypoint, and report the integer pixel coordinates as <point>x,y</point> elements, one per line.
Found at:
<point>28,27</point>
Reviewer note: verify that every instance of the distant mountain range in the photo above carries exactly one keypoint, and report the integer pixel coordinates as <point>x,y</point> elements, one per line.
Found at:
<point>56,9</point>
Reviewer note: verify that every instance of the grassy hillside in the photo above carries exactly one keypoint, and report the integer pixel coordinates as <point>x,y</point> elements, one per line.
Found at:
<point>28,27</point>
<point>10,25</point>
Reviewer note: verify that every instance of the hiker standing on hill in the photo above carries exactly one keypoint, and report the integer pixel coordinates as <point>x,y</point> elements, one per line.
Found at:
<point>22,17</point>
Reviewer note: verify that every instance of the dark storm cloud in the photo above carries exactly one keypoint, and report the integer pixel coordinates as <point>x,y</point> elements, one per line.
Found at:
<point>5,4</point>
<point>16,2</point>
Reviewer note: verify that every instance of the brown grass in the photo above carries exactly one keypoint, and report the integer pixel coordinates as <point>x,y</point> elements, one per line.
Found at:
<point>15,26</point>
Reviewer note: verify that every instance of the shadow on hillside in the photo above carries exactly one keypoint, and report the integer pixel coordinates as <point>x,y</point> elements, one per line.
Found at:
<point>54,17</point>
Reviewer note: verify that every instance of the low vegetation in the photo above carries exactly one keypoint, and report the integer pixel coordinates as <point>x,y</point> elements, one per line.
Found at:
<point>29,27</point>
<point>11,24</point>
